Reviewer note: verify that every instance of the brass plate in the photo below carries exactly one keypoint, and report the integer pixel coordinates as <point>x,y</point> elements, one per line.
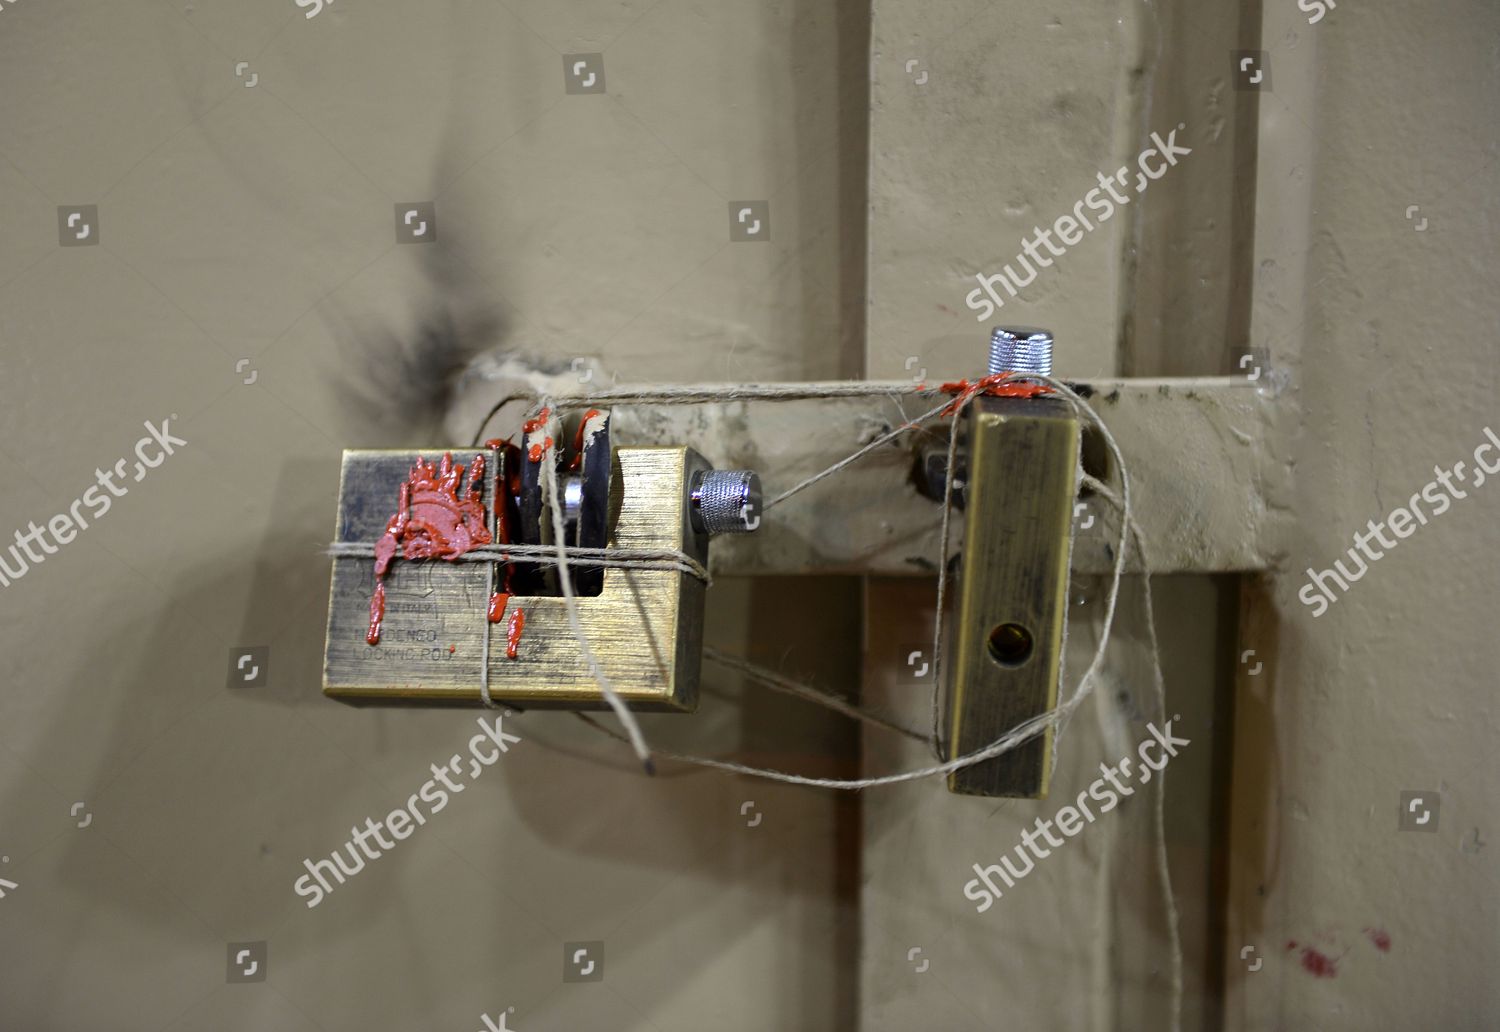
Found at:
<point>645,628</point>
<point>1023,460</point>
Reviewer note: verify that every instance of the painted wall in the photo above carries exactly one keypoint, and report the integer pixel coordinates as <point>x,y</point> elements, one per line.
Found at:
<point>152,811</point>
<point>244,280</point>
<point>1338,217</point>
<point>1376,250</point>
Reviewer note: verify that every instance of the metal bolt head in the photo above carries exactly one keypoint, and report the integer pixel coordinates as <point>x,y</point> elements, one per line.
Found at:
<point>932,476</point>
<point>1020,349</point>
<point>572,498</point>
<point>726,501</point>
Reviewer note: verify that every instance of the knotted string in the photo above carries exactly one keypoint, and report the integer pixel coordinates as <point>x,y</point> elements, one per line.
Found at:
<point>1055,718</point>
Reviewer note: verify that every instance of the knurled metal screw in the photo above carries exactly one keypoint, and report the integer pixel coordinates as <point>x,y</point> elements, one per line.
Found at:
<point>726,501</point>
<point>1020,349</point>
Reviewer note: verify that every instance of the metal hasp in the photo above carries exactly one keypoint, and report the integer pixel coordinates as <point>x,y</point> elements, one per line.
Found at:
<point>1013,588</point>
<point>645,626</point>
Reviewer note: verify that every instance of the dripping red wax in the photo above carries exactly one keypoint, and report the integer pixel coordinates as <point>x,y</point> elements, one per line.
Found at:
<point>513,632</point>
<point>992,386</point>
<point>578,438</point>
<point>500,599</point>
<point>438,515</point>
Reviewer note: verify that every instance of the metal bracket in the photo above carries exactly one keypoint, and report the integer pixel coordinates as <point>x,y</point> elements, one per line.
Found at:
<point>1020,466</point>
<point>1013,588</point>
<point>1208,495</point>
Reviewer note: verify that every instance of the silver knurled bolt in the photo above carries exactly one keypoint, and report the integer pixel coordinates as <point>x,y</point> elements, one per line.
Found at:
<point>1020,349</point>
<point>726,501</point>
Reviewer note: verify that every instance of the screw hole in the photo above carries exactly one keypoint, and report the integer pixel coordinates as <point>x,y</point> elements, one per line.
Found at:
<point>1010,644</point>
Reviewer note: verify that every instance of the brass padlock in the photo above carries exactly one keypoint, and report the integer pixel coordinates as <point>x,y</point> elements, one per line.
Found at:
<point>438,638</point>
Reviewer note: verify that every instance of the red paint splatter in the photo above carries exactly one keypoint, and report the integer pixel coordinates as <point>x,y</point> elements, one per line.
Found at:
<point>531,426</point>
<point>534,453</point>
<point>578,438</point>
<point>452,649</point>
<point>536,422</point>
<point>1291,944</point>
<point>498,601</point>
<point>1380,938</point>
<point>1318,964</point>
<point>964,390</point>
<point>513,632</point>
<point>377,613</point>
<point>438,515</point>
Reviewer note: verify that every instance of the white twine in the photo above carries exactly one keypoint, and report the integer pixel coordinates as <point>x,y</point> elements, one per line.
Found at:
<point>882,439</point>
<point>1023,732</point>
<point>1018,735</point>
<point>548,477</point>
<point>546,555</point>
<point>701,394</point>
<point>776,682</point>
<point>1163,867</point>
<point>562,555</point>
